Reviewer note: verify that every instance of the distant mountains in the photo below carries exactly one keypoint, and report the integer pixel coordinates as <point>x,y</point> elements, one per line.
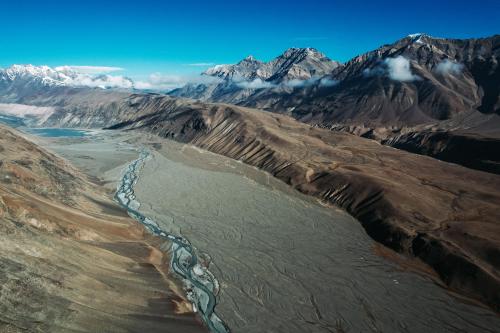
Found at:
<point>418,79</point>
<point>427,95</point>
<point>293,64</point>
<point>239,83</point>
<point>20,80</point>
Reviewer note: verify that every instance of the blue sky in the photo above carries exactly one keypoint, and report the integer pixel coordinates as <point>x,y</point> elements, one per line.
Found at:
<point>167,36</point>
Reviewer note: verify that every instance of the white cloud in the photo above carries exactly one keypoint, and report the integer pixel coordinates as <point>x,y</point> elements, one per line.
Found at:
<point>158,81</point>
<point>93,76</point>
<point>101,81</point>
<point>165,82</point>
<point>449,67</point>
<point>375,71</point>
<point>255,84</point>
<point>322,82</point>
<point>296,83</point>
<point>399,69</point>
<point>327,82</point>
<point>89,69</point>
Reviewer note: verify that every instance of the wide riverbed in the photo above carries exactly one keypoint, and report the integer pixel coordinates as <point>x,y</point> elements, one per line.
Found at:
<point>284,262</point>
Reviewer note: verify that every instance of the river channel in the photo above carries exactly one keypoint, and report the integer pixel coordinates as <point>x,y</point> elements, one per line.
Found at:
<point>278,261</point>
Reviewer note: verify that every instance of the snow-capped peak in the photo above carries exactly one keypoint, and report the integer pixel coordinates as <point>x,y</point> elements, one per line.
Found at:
<point>415,35</point>
<point>61,76</point>
<point>250,58</point>
<point>293,64</point>
<point>417,38</point>
<point>420,38</point>
<point>218,70</point>
<point>45,74</point>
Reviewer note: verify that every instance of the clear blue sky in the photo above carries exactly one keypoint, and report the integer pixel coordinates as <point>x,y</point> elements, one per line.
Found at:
<point>165,36</point>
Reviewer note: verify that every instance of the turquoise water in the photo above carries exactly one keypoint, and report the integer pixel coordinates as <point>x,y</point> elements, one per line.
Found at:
<point>11,121</point>
<point>20,123</point>
<point>184,260</point>
<point>57,132</point>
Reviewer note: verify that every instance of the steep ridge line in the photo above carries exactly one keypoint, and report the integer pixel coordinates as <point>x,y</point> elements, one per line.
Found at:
<point>405,208</point>
<point>382,187</point>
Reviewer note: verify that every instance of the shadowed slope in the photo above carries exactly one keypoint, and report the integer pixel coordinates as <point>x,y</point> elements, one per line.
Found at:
<point>443,213</point>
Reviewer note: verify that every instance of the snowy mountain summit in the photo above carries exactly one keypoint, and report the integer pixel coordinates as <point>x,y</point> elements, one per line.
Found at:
<point>293,64</point>
<point>45,76</point>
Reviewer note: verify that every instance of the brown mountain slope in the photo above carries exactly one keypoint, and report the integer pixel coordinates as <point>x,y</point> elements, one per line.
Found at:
<point>443,78</point>
<point>445,214</point>
<point>399,89</point>
<point>70,259</point>
<point>452,85</point>
<point>416,80</point>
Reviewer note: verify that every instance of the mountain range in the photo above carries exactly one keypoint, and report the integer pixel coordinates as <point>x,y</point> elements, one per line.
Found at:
<point>239,83</point>
<point>434,96</point>
<point>417,79</point>
<point>44,76</point>
<point>426,95</point>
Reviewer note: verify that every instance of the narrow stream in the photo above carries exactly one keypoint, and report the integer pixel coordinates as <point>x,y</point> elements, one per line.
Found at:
<point>201,285</point>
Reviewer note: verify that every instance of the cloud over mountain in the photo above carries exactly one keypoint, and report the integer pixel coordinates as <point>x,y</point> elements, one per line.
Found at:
<point>159,81</point>
<point>399,69</point>
<point>76,76</point>
<point>255,84</point>
<point>449,67</point>
<point>89,69</point>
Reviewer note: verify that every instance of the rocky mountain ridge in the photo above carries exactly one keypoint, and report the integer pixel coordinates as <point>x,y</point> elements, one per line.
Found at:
<point>417,83</point>
<point>239,82</point>
<point>417,72</point>
<point>293,64</point>
<point>45,77</point>
<point>413,204</point>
